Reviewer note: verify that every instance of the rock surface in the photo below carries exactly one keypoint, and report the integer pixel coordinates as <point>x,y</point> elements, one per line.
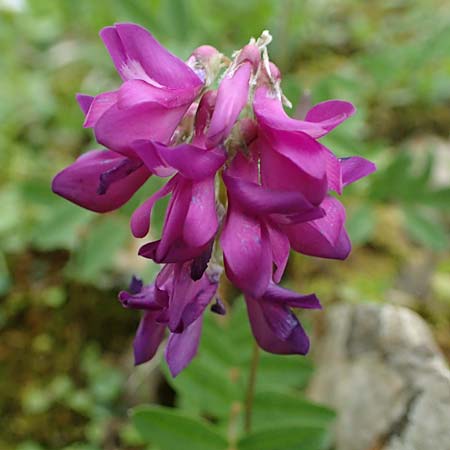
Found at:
<point>380,369</point>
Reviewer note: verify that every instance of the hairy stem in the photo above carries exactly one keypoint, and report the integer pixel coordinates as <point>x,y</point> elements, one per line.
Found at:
<point>251,388</point>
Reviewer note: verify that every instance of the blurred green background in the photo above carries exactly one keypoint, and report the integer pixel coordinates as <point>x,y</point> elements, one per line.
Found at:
<point>66,372</point>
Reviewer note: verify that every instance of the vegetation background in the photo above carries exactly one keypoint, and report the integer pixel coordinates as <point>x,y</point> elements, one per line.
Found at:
<point>67,380</point>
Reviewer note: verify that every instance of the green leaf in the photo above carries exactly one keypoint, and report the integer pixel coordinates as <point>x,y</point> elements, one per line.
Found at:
<point>60,229</point>
<point>393,181</point>
<point>426,230</point>
<point>10,218</point>
<point>97,253</point>
<point>170,429</point>
<point>360,224</point>
<point>37,191</point>
<point>439,198</point>
<point>427,170</point>
<point>204,386</point>
<point>294,370</point>
<point>276,409</point>
<point>286,438</point>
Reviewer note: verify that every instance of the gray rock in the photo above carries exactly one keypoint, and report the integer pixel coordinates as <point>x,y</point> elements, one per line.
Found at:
<point>379,367</point>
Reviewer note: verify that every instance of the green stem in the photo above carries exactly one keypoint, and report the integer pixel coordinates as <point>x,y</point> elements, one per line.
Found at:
<point>251,388</point>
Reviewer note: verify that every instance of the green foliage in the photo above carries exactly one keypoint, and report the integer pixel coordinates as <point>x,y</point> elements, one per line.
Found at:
<point>286,438</point>
<point>361,224</point>
<point>168,428</point>
<point>214,386</point>
<point>280,409</point>
<point>407,182</point>
<point>94,253</point>
<point>426,230</point>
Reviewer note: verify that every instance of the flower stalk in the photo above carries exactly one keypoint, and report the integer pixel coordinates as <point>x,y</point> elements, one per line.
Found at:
<point>251,386</point>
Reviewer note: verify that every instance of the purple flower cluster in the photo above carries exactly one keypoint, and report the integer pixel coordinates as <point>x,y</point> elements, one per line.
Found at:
<point>166,120</point>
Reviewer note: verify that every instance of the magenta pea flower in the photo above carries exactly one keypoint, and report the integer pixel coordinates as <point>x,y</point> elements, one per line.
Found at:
<point>247,184</point>
<point>232,95</point>
<point>319,120</point>
<point>293,159</point>
<point>157,89</point>
<point>275,327</point>
<point>251,239</point>
<point>191,221</point>
<point>101,180</point>
<point>174,302</point>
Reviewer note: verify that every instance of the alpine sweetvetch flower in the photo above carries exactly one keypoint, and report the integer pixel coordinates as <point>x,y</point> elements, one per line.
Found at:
<point>191,221</point>
<point>157,90</point>
<point>232,95</point>
<point>274,325</point>
<point>247,184</point>
<point>100,180</point>
<point>174,302</point>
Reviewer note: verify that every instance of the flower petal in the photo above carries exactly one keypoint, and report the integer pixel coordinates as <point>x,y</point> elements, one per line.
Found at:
<point>200,263</point>
<point>175,217</point>
<point>203,116</point>
<point>149,335</point>
<point>149,298</point>
<point>259,200</point>
<point>190,161</point>
<point>141,218</point>
<point>178,252</point>
<point>330,114</point>
<point>117,173</point>
<point>136,285</point>
<point>247,253</point>
<point>244,168</point>
<point>279,243</point>
<point>270,113</point>
<point>319,120</point>
<point>294,342</point>
<point>149,155</point>
<point>193,162</point>
<point>134,92</point>
<point>355,168</point>
<point>84,101</point>
<point>197,305</point>
<point>80,181</point>
<point>189,298</point>
<point>278,294</point>
<point>138,55</point>
<point>218,307</point>
<point>325,237</point>
<point>280,318</point>
<point>100,104</point>
<point>294,162</point>
<point>201,223</point>
<point>232,96</point>
<point>117,129</point>
<point>182,347</point>
<point>334,172</point>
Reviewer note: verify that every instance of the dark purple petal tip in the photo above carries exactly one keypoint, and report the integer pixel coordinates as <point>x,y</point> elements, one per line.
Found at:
<point>136,285</point>
<point>218,307</point>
